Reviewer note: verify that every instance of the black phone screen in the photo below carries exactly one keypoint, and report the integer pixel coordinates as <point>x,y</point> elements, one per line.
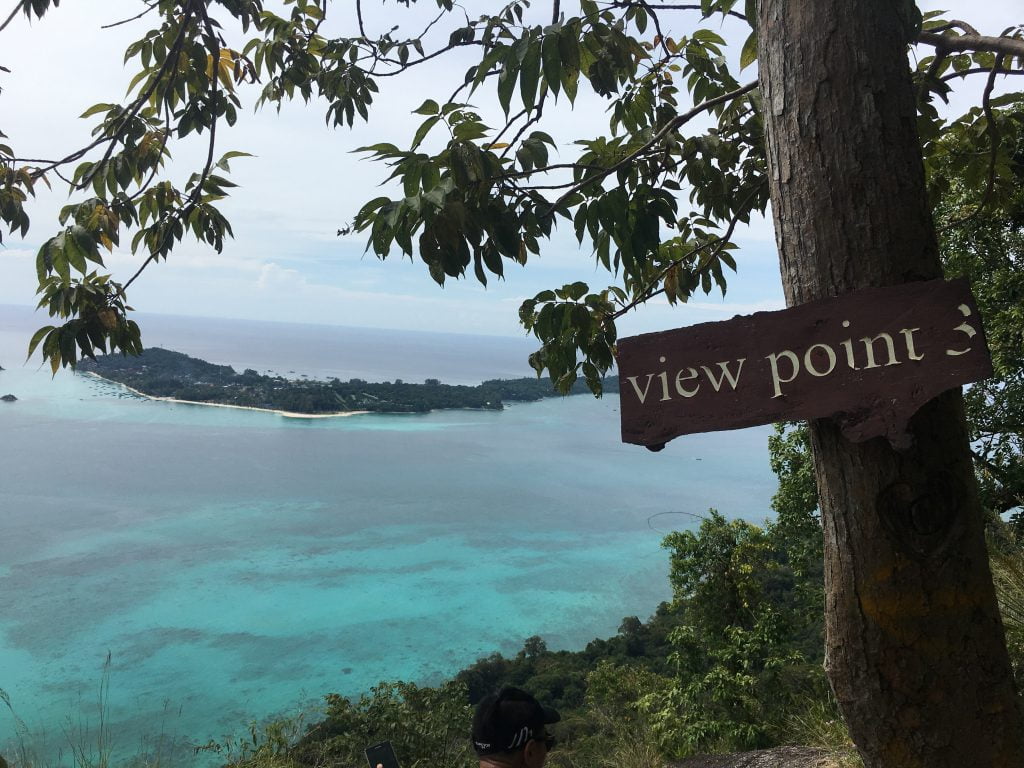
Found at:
<point>381,754</point>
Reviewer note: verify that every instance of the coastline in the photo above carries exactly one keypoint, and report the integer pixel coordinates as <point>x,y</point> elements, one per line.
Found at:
<point>285,414</point>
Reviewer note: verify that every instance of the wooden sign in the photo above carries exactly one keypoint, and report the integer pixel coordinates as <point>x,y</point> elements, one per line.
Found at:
<point>869,358</point>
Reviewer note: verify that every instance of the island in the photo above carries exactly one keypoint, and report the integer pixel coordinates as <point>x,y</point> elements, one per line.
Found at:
<point>166,374</point>
<point>8,398</point>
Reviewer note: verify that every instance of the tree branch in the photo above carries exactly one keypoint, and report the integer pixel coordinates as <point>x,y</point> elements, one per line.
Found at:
<point>1000,475</point>
<point>197,192</point>
<point>10,17</point>
<point>686,7</point>
<point>546,169</point>
<point>163,147</point>
<point>956,24</point>
<point>1011,46</point>
<point>468,83</point>
<point>993,132</point>
<point>979,71</point>
<point>409,64</point>
<point>657,28</point>
<point>136,106</point>
<point>676,123</point>
<point>137,16</point>
<point>130,113</point>
<point>538,113</point>
<point>359,16</point>
<point>649,292</point>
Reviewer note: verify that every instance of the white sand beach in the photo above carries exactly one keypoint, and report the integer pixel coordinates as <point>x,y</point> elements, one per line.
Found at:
<point>286,414</point>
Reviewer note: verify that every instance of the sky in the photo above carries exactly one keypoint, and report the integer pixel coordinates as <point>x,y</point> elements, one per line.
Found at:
<point>286,262</point>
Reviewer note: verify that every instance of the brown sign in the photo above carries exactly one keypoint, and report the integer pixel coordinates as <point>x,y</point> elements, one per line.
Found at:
<point>870,358</point>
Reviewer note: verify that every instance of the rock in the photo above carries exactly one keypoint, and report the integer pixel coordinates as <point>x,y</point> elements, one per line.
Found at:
<point>778,757</point>
<point>8,398</point>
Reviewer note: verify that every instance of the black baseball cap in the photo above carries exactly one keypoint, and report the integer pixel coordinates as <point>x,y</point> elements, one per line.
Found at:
<point>506,720</point>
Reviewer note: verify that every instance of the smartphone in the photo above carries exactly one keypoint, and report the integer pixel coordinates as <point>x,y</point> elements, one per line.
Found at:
<point>381,754</point>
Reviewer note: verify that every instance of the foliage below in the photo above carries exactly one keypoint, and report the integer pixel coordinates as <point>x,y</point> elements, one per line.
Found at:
<point>987,245</point>
<point>427,726</point>
<point>732,662</point>
<point>1006,548</point>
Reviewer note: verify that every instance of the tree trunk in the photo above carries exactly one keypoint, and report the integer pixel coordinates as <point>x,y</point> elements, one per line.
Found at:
<point>915,649</point>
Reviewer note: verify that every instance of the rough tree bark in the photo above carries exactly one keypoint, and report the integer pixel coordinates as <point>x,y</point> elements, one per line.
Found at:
<point>915,649</point>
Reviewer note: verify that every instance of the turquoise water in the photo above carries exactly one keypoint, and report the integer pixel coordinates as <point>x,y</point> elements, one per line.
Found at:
<point>238,565</point>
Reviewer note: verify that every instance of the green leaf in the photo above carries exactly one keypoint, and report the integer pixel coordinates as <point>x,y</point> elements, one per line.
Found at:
<point>470,130</point>
<point>485,66</point>
<point>580,221</point>
<point>506,237</point>
<point>569,52</point>
<point>58,257</point>
<point>428,107</point>
<point>750,11</point>
<point>552,62</point>
<point>411,178</point>
<point>227,156</point>
<point>95,109</point>
<point>641,20</point>
<point>507,80</point>
<point>43,261</point>
<point>529,74</point>
<point>68,347</point>
<point>139,77</point>
<point>423,130</point>
<point>493,260</point>
<point>36,338</point>
<point>383,149</point>
<point>478,269</point>
<point>75,253</point>
<point>577,290</point>
<point>98,182</point>
<point>749,53</point>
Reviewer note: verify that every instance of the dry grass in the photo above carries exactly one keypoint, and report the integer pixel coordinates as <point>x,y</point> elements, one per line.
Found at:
<point>820,725</point>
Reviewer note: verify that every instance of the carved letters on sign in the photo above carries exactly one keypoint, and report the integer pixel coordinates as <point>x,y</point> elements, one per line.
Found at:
<point>870,358</point>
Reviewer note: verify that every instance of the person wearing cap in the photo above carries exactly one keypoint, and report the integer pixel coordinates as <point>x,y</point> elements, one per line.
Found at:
<point>510,730</point>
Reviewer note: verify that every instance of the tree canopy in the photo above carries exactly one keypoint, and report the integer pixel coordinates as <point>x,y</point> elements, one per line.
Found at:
<point>656,197</point>
<point>987,245</point>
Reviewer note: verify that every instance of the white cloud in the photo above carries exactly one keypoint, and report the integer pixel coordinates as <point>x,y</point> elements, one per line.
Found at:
<point>272,277</point>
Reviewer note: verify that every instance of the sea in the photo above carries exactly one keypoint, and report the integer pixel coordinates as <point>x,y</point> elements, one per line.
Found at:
<point>171,573</point>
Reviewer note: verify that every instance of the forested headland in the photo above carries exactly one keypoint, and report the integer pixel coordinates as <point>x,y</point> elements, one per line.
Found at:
<point>167,374</point>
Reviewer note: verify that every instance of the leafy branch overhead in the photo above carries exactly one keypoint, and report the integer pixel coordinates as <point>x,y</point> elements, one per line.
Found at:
<point>656,197</point>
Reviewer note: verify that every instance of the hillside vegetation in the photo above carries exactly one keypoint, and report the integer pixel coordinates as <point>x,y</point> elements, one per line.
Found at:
<point>733,662</point>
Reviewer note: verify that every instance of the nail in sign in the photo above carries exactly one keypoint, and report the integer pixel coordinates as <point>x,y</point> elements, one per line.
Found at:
<point>869,358</point>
